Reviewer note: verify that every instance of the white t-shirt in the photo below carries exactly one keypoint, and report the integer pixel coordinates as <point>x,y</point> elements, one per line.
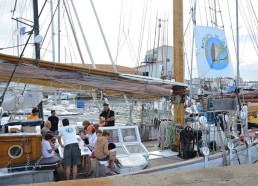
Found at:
<point>69,134</point>
<point>45,145</point>
<point>92,139</point>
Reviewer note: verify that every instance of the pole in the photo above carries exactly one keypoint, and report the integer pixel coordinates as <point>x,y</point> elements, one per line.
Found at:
<point>104,38</point>
<point>192,52</point>
<point>74,34</point>
<point>18,42</point>
<point>83,35</point>
<point>58,34</point>
<point>36,28</point>
<point>237,47</point>
<point>53,32</point>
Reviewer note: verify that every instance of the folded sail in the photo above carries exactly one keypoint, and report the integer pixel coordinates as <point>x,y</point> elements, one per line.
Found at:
<point>212,52</point>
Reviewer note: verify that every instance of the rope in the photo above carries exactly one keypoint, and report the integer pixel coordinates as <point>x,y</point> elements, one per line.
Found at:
<point>171,135</point>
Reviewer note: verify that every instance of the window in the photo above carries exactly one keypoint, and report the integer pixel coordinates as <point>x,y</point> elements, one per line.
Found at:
<point>145,73</point>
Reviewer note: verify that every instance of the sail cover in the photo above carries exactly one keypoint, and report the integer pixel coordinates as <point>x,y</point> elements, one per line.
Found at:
<point>212,52</point>
<point>60,75</point>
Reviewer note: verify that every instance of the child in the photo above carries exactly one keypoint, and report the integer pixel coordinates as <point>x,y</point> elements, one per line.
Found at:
<point>112,157</point>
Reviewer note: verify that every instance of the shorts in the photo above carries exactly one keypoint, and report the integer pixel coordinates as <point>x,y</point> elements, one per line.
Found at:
<point>72,155</point>
<point>104,159</point>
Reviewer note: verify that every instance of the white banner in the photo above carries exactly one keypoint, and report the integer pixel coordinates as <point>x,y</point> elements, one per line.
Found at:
<point>212,53</point>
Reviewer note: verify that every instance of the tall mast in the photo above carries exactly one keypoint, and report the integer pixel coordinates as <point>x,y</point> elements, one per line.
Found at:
<point>104,38</point>
<point>36,28</point>
<point>178,55</point>
<point>53,31</point>
<point>237,46</point>
<point>58,34</point>
<point>83,36</point>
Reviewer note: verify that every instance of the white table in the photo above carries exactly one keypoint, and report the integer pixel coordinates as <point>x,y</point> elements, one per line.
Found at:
<point>85,151</point>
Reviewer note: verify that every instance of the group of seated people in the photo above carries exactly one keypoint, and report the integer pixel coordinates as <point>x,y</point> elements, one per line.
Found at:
<point>95,140</point>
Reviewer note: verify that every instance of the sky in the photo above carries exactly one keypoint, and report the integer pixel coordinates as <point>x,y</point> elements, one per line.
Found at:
<point>129,28</point>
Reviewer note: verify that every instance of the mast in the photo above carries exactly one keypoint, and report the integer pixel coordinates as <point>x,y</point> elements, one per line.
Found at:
<point>83,36</point>
<point>237,46</point>
<point>178,55</point>
<point>52,31</point>
<point>104,38</point>
<point>58,34</point>
<point>74,33</point>
<point>36,28</point>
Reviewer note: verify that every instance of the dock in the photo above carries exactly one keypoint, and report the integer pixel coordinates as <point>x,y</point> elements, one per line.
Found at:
<point>230,175</point>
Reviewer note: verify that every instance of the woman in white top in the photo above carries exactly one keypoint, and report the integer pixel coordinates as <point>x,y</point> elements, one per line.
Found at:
<point>48,146</point>
<point>89,138</point>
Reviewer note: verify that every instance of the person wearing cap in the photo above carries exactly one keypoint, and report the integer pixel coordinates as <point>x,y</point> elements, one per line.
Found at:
<point>90,135</point>
<point>107,117</point>
<point>34,114</point>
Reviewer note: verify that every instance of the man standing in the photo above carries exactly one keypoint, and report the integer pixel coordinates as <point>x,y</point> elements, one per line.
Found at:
<point>54,122</point>
<point>34,114</point>
<point>107,117</point>
<point>45,129</point>
<point>72,152</point>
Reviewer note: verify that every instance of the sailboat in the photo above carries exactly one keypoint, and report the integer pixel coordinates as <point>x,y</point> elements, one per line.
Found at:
<point>66,76</point>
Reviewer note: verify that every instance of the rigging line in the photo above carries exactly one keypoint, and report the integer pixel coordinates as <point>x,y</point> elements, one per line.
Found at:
<point>211,13</point>
<point>55,29</point>
<point>231,27</point>
<point>154,42</point>
<point>68,39</point>
<point>199,9</point>
<point>249,24</point>
<point>254,11</point>
<point>241,56</point>
<point>14,46</point>
<point>205,7</point>
<point>248,29</point>
<point>2,10</point>
<point>253,18</point>
<point>142,31</point>
<point>14,70</point>
<point>130,17</point>
<point>14,9</point>
<point>221,15</point>
<point>120,49</point>
<point>167,50</point>
<point>251,21</point>
<point>52,18</point>
<point>119,29</point>
<point>135,62</point>
<point>128,36</point>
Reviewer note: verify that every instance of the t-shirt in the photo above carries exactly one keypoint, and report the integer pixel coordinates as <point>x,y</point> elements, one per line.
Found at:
<point>45,145</point>
<point>106,116</point>
<point>92,139</point>
<point>54,123</point>
<point>69,134</point>
<point>31,117</point>
<point>44,130</point>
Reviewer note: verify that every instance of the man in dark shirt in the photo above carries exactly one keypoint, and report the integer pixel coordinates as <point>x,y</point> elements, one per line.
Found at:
<point>54,122</point>
<point>107,117</point>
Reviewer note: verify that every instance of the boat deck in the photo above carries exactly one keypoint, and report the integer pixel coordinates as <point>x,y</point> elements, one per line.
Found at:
<point>157,158</point>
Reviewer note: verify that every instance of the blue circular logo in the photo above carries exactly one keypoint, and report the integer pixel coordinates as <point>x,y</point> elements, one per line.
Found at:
<point>69,130</point>
<point>216,53</point>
